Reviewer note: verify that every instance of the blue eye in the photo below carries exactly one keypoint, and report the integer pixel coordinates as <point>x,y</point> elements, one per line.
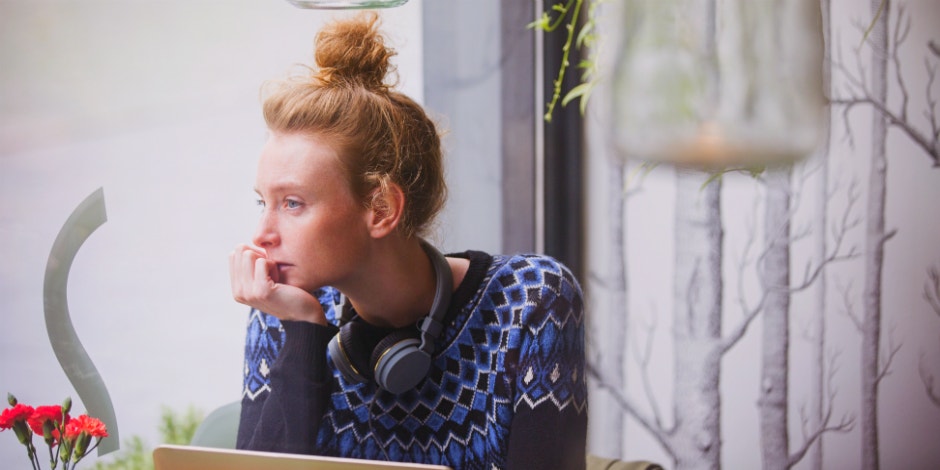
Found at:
<point>292,204</point>
<point>260,203</point>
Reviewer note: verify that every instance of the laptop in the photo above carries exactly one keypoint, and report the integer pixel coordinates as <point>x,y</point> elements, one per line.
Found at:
<point>175,457</point>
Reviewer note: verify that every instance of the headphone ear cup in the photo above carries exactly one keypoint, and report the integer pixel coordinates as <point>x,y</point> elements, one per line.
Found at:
<point>349,356</point>
<point>398,362</point>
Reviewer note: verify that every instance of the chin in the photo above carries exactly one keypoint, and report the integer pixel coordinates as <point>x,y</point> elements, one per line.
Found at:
<point>304,285</point>
<point>294,282</point>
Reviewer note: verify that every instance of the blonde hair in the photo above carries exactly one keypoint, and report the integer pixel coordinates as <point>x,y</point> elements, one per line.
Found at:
<point>382,136</point>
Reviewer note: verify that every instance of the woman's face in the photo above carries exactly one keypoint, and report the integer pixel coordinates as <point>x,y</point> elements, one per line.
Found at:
<point>311,224</point>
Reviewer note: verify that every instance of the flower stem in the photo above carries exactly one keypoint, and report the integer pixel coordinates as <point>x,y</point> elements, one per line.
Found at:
<point>33,457</point>
<point>53,459</point>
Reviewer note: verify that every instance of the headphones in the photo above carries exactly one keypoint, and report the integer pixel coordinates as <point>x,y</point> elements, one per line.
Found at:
<point>397,359</point>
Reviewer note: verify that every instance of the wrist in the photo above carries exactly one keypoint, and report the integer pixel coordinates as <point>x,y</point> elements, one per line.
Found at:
<point>310,314</point>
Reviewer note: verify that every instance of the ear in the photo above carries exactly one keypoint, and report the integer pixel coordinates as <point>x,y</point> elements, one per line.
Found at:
<point>386,209</point>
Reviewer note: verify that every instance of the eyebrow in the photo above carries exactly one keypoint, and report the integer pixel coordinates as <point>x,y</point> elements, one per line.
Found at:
<point>283,187</point>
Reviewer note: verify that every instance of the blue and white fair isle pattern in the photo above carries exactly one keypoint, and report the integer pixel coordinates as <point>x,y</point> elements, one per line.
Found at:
<point>515,348</point>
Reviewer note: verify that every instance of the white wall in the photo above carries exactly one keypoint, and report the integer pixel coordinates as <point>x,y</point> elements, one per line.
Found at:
<point>462,57</point>
<point>156,102</point>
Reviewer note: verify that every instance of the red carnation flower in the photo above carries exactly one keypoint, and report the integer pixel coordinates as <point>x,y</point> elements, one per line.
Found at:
<point>43,414</point>
<point>11,416</point>
<point>91,426</point>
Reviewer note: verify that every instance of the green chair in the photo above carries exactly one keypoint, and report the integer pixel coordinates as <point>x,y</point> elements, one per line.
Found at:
<point>220,428</point>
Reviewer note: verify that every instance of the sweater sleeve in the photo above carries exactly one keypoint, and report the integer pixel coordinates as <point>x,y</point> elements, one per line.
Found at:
<point>549,425</point>
<point>285,415</point>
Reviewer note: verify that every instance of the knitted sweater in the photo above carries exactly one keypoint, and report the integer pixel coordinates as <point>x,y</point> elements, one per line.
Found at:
<point>506,389</point>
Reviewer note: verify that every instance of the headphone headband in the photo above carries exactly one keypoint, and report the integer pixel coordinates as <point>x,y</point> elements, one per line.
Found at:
<point>432,325</point>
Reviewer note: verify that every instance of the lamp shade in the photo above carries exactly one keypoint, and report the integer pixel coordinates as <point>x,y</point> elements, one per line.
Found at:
<point>711,84</point>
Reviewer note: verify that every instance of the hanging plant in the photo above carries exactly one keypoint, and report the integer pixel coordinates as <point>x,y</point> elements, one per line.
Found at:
<point>567,13</point>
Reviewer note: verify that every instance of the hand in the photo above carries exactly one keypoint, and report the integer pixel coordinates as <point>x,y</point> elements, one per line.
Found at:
<point>255,283</point>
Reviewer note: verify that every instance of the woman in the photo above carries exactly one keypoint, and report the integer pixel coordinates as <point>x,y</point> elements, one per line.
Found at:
<point>363,340</point>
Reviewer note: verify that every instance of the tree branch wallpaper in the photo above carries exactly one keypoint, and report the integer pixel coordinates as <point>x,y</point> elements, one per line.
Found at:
<point>783,316</point>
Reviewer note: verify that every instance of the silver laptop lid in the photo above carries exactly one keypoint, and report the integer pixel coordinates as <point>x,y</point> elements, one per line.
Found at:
<point>174,457</point>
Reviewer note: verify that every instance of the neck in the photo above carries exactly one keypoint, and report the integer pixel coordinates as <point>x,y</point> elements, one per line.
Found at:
<point>396,286</point>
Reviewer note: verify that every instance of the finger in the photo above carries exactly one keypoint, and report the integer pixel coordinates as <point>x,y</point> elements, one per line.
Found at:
<point>255,249</point>
<point>247,265</point>
<point>241,279</point>
<point>241,271</point>
<point>264,270</point>
<point>262,282</point>
<point>231,273</point>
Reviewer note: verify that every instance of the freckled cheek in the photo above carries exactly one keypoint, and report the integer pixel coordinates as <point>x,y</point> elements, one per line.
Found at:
<point>319,241</point>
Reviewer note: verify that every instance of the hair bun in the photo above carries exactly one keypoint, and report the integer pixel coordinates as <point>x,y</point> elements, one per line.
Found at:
<point>353,51</point>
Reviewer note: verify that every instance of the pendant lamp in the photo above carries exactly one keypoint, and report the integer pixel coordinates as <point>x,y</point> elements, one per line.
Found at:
<point>716,84</point>
<point>346,4</point>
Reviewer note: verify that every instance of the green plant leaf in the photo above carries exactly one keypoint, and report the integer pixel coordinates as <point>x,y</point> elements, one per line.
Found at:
<point>756,171</point>
<point>580,90</point>
<point>582,105</point>
<point>639,173</point>
<point>585,34</point>
<point>541,23</point>
<point>716,176</point>
<point>881,9</point>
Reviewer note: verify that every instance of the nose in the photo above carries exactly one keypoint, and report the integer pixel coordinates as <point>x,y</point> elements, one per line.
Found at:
<point>267,234</point>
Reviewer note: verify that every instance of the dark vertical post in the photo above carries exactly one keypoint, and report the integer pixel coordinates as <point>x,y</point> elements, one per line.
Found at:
<point>564,141</point>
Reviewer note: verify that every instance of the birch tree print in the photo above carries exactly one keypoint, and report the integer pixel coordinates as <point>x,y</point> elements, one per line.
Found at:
<point>692,440</point>
<point>873,91</point>
<point>774,272</point>
<point>875,239</point>
<point>784,418</point>
<point>610,333</point>
<point>697,295</point>
<point>932,296</point>
<point>817,329</point>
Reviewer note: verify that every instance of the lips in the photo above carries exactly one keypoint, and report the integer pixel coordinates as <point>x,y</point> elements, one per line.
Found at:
<point>280,271</point>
